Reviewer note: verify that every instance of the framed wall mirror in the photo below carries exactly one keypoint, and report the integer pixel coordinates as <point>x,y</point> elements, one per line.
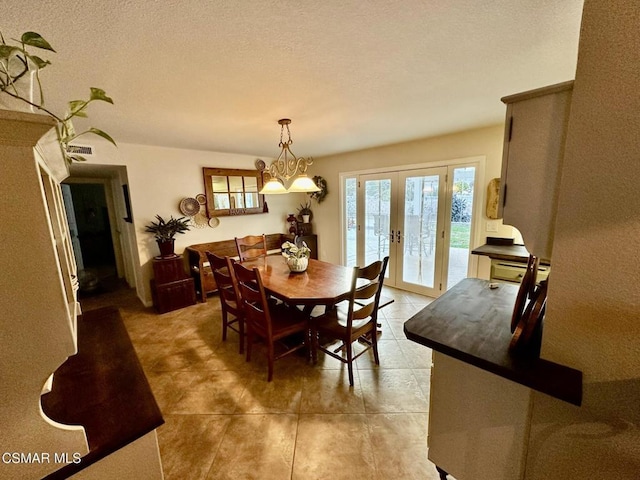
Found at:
<point>233,192</point>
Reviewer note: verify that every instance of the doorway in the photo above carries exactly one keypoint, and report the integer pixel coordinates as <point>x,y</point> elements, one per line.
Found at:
<point>91,238</point>
<point>420,217</point>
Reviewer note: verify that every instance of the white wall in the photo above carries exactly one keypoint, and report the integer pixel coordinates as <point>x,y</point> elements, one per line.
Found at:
<point>485,142</point>
<point>593,316</point>
<point>159,178</point>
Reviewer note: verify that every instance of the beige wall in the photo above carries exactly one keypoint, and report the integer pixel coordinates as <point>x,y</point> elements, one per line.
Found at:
<point>160,177</point>
<point>593,317</point>
<point>485,142</point>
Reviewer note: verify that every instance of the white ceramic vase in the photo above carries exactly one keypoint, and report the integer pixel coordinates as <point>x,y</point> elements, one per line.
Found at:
<point>24,87</point>
<point>305,218</point>
<point>297,265</point>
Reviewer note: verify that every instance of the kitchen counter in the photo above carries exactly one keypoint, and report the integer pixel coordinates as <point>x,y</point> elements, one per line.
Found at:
<point>471,322</point>
<point>512,253</point>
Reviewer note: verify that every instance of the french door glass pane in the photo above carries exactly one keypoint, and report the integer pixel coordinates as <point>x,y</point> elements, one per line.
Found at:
<point>461,214</point>
<point>377,209</point>
<point>420,220</point>
<point>351,227</point>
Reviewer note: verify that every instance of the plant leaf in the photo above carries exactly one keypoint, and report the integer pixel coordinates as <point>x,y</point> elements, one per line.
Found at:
<point>99,94</point>
<point>75,108</point>
<point>77,158</point>
<point>102,134</point>
<point>7,50</point>
<point>40,63</point>
<point>34,39</point>
<point>68,132</point>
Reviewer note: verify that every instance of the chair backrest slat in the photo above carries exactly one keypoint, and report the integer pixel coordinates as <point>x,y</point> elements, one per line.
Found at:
<point>253,297</point>
<point>374,275</point>
<point>225,280</point>
<point>251,246</point>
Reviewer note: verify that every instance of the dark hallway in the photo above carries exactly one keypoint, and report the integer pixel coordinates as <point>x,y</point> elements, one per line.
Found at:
<point>93,246</point>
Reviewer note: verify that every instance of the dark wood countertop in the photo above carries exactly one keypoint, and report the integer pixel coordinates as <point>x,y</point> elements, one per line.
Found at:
<point>103,388</point>
<point>471,323</point>
<point>511,253</point>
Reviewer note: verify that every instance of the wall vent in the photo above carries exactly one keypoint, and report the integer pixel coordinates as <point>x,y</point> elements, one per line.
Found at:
<point>80,150</point>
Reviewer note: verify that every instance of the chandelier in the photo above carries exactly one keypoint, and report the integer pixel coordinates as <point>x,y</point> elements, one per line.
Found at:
<point>288,166</point>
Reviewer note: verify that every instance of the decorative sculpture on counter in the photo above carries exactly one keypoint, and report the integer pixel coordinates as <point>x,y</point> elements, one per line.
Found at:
<point>293,224</point>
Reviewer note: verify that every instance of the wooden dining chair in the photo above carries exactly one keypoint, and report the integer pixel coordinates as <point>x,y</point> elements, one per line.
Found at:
<point>267,320</point>
<point>354,320</point>
<point>251,246</point>
<point>229,295</point>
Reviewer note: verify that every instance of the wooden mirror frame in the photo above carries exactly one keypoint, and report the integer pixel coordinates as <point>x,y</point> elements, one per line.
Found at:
<point>209,173</point>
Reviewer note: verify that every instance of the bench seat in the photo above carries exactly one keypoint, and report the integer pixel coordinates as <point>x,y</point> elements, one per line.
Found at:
<point>199,264</point>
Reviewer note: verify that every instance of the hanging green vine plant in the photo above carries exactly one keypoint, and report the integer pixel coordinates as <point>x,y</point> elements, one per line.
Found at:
<point>17,61</point>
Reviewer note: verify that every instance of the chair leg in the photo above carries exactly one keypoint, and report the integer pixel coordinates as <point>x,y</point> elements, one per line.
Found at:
<point>374,345</point>
<point>270,361</point>
<point>314,345</point>
<point>241,334</point>
<point>224,325</point>
<point>250,340</point>
<point>349,347</point>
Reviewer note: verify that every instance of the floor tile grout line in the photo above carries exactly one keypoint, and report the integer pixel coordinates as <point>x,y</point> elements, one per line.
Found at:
<point>196,332</point>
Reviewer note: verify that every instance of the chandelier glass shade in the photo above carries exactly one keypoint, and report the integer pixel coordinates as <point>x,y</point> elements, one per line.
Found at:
<point>286,167</point>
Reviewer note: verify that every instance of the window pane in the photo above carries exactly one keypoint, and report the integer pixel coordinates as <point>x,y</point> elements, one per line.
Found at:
<point>420,218</point>
<point>237,200</point>
<point>221,201</point>
<point>377,209</point>
<point>250,184</point>
<point>461,214</point>
<point>251,200</point>
<point>351,226</point>
<point>219,184</point>
<point>235,184</point>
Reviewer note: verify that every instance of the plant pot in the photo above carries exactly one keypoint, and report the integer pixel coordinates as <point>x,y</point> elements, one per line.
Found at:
<point>297,265</point>
<point>305,218</point>
<point>166,247</point>
<point>24,88</point>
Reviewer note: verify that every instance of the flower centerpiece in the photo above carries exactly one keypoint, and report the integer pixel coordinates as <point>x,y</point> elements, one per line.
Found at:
<point>297,256</point>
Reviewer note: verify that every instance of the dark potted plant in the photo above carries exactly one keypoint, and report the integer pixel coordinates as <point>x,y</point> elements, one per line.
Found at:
<point>305,212</point>
<point>165,231</point>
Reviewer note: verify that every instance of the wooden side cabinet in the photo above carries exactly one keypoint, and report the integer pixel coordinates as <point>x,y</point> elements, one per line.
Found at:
<point>535,131</point>
<point>171,287</point>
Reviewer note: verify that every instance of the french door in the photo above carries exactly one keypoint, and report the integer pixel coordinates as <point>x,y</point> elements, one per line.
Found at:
<point>408,215</point>
<point>400,216</point>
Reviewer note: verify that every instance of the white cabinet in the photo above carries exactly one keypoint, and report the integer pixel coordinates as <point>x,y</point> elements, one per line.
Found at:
<point>535,131</point>
<point>478,422</point>
<point>37,291</point>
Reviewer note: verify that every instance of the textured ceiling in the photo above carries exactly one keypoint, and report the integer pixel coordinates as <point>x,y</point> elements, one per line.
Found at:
<point>217,75</point>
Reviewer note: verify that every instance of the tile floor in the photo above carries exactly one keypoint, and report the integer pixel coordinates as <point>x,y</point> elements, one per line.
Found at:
<point>225,421</point>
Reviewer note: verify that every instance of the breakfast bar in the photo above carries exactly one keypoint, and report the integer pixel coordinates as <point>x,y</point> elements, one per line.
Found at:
<point>481,393</point>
